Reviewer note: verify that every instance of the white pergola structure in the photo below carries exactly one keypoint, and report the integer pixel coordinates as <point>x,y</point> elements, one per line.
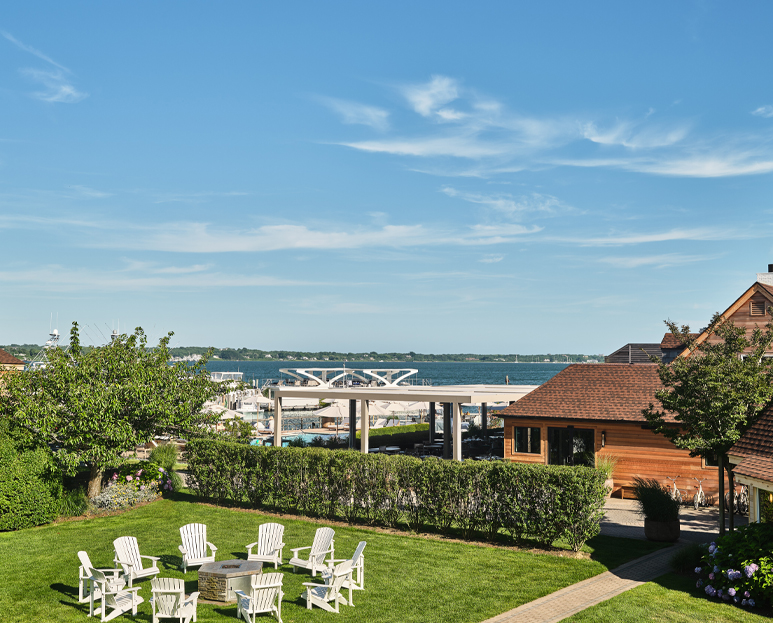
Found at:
<point>451,395</point>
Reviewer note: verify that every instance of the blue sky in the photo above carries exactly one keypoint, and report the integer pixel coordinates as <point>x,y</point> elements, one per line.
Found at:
<point>477,177</point>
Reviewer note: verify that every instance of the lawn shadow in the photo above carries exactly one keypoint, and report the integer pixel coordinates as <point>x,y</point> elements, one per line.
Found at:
<point>65,589</point>
<point>171,562</point>
<point>239,555</point>
<point>613,551</point>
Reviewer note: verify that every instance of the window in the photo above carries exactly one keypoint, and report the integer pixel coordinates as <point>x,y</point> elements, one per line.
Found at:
<point>526,440</point>
<point>571,446</point>
<point>757,308</point>
<point>710,460</point>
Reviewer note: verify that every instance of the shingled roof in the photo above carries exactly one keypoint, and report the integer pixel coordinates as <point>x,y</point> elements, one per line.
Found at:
<point>9,360</point>
<point>669,340</point>
<point>606,391</point>
<point>756,448</point>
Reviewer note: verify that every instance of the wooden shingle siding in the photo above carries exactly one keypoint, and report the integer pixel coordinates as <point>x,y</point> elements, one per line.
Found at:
<point>640,452</point>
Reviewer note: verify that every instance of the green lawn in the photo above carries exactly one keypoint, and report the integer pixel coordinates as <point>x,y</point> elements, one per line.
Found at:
<point>669,598</point>
<point>408,578</point>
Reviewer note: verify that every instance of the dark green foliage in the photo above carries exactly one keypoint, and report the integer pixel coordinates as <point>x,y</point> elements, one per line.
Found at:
<point>30,485</point>
<point>390,431</point>
<point>738,563</point>
<point>687,558</point>
<point>477,498</point>
<point>166,456</point>
<point>74,503</point>
<point>655,501</point>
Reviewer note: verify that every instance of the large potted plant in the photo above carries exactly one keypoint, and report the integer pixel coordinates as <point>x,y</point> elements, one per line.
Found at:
<point>660,510</point>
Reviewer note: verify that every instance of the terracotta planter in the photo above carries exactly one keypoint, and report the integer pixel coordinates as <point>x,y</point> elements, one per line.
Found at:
<point>666,531</point>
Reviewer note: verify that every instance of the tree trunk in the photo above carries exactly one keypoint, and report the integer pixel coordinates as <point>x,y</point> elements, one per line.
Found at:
<point>731,495</point>
<point>95,481</point>
<point>721,494</point>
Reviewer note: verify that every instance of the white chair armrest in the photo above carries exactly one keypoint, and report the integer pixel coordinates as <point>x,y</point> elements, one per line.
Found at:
<point>251,545</point>
<point>193,597</point>
<point>295,550</point>
<point>212,547</point>
<point>241,594</point>
<point>153,558</point>
<point>124,562</point>
<point>311,584</point>
<point>183,550</point>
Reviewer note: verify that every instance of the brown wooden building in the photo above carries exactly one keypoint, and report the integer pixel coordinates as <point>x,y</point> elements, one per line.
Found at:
<point>588,410</point>
<point>752,456</point>
<point>9,362</point>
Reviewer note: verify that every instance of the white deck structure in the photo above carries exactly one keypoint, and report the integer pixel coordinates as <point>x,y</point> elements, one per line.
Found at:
<point>455,395</point>
<point>348,377</point>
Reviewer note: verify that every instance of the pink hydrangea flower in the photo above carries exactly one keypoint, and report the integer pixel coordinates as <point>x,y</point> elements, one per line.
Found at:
<point>129,479</point>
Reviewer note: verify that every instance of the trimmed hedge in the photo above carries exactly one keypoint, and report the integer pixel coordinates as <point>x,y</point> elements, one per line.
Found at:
<point>397,430</point>
<point>540,502</point>
<point>30,486</point>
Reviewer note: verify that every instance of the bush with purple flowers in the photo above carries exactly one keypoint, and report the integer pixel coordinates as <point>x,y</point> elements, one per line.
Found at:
<point>738,567</point>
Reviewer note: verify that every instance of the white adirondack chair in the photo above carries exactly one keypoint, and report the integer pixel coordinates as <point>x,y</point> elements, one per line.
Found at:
<point>357,581</point>
<point>110,597</point>
<point>194,547</point>
<point>85,584</point>
<point>169,601</point>
<point>269,544</point>
<point>265,589</point>
<point>322,595</point>
<point>127,554</point>
<point>323,544</point>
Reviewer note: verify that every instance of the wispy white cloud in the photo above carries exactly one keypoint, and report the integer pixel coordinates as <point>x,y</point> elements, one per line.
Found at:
<point>194,197</point>
<point>427,99</point>
<point>763,111</point>
<point>507,204</point>
<point>463,125</point>
<point>358,114</point>
<point>664,260</point>
<point>33,51</point>
<point>622,239</point>
<point>85,191</point>
<point>491,259</point>
<point>59,87</point>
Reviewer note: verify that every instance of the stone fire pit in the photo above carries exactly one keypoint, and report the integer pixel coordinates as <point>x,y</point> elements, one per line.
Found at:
<point>219,580</point>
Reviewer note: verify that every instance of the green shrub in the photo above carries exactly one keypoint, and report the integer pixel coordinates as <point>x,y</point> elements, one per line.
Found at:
<point>166,456</point>
<point>74,503</point>
<point>655,501</point>
<point>687,558</point>
<point>30,486</point>
<point>738,567</point>
<point>535,501</point>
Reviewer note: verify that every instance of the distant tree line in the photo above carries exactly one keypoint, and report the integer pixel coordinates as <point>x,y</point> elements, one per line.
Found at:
<point>27,351</point>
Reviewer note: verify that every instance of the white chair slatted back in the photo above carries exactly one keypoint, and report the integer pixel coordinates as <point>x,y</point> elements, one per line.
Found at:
<point>358,553</point>
<point>194,538</point>
<point>340,574</point>
<point>269,538</point>
<point>127,550</point>
<point>168,595</point>
<point>262,597</point>
<point>322,540</point>
<point>85,561</point>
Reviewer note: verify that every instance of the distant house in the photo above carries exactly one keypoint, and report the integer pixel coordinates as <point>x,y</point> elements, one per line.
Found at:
<point>752,456</point>
<point>9,362</point>
<point>589,410</point>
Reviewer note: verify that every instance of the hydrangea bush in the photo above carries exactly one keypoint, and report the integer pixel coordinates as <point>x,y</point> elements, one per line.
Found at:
<point>738,567</point>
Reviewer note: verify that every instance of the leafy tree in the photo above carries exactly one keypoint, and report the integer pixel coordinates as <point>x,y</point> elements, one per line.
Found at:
<point>90,405</point>
<point>715,392</point>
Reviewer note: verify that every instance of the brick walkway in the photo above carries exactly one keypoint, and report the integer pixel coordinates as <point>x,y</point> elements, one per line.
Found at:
<point>572,599</point>
<point>621,520</point>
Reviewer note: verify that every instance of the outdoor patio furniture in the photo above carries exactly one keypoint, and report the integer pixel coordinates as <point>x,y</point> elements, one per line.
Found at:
<point>269,544</point>
<point>111,597</point>
<point>85,583</point>
<point>127,554</point>
<point>357,579</point>
<point>322,545</point>
<point>322,595</point>
<point>265,589</point>
<point>194,547</point>
<point>169,601</point>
